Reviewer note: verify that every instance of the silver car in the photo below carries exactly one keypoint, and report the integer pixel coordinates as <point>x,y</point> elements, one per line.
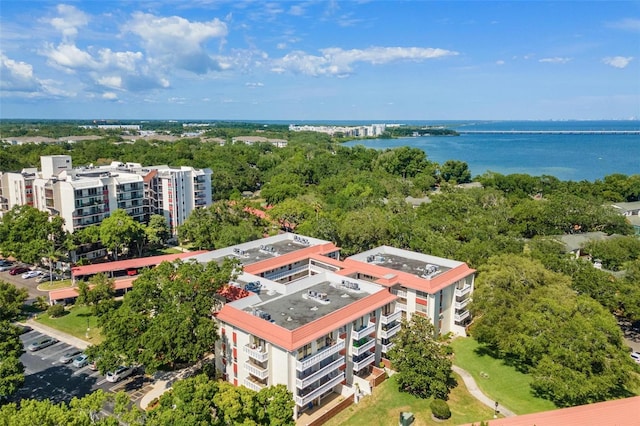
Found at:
<point>41,344</point>
<point>67,357</point>
<point>81,360</point>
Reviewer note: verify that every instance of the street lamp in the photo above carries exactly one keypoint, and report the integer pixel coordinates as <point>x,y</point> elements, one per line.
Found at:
<point>495,412</point>
<point>86,335</point>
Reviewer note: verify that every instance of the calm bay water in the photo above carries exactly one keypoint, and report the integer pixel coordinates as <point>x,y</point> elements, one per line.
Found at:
<point>566,156</point>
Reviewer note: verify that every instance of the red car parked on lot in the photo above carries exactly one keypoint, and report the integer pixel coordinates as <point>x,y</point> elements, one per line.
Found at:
<point>16,270</point>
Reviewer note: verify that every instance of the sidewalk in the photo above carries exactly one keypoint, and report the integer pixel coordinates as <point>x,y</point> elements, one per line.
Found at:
<point>63,337</point>
<point>473,389</point>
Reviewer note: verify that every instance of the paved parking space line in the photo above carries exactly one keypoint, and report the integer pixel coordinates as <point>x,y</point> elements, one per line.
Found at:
<point>65,348</point>
<point>101,382</point>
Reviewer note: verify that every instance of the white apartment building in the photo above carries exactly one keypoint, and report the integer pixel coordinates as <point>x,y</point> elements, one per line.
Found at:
<point>85,196</point>
<point>316,323</point>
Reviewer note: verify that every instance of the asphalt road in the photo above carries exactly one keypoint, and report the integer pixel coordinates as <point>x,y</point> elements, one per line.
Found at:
<point>30,284</point>
<point>47,378</point>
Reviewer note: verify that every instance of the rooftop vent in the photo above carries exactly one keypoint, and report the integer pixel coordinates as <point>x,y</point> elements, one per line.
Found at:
<point>350,285</point>
<point>300,240</point>
<point>430,270</point>
<point>317,296</point>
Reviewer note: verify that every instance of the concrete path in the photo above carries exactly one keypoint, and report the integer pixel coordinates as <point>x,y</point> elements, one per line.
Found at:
<point>472,386</point>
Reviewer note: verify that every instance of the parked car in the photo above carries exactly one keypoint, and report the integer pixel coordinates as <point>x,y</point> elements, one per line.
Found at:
<point>93,366</point>
<point>67,357</point>
<point>42,343</point>
<point>120,373</point>
<point>24,328</point>
<point>31,274</point>
<point>16,270</point>
<point>81,360</point>
<point>5,267</point>
<point>636,356</point>
<point>46,277</point>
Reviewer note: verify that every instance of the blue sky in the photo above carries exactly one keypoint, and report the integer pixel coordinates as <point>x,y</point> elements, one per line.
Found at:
<point>320,60</point>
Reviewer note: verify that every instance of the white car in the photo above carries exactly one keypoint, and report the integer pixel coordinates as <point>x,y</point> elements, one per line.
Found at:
<point>120,373</point>
<point>31,274</point>
<point>636,356</point>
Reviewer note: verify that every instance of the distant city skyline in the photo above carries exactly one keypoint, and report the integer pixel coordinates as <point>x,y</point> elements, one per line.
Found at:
<point>320,60</point>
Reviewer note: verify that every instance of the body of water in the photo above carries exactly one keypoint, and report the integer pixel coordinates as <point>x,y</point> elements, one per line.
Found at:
<point>566,156</point>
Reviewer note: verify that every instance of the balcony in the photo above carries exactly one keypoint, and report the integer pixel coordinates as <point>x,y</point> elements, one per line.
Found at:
<point>363,332</point>
<point>325,353</point>
<point>386,319</point>
<point>390,332</point>
<point>253,385</point>
<point>357,366</point>
<point>463,291</point>
<point>400,293</point>
<point>257,371</point>
<point>459,317</point>
<point>259,353</point>
<point>324,371</point>
<point>402,307</point>
<point>302,401</point>
<point>364,347</point>
<point>462,304</point>
<point>386,348</point>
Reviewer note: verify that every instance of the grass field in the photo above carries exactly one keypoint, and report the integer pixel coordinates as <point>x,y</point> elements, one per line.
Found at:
<point>497,380</point>
<point>385,404</point>
<point>48,286</point>
<point>75,322</point>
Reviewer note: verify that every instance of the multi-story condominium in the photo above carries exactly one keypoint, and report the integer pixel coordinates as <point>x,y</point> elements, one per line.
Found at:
<point>317,323</point>
<point>85,196</point>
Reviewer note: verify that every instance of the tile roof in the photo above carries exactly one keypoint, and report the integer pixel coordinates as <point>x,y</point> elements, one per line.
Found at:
<point>292,340</point>
<point>121,265</point>
<point>72,292</point>
<point>619,412</point>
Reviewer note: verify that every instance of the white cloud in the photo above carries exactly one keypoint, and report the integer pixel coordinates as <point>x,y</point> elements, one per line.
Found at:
<point>17,76</point>
<point>297,10</point>
<point>281,46</point>
<point>618,61</point>
<point>627,24</point>
<point>253,85</point>
<point>178,41</point>
<point>109,96</point>
<point>69,20</point>
<point>338,62</point>
<point>68,56</point>
<point>500,62</point>
<point>555,60</point>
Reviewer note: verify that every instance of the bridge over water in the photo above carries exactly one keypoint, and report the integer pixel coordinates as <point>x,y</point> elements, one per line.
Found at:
<point>550,132</point>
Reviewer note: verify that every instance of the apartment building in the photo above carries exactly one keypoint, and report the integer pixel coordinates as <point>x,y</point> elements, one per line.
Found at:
<point>85,196</point>
<point>318,323</point>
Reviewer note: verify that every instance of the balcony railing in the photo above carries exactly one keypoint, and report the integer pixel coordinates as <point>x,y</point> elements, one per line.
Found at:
<point>386,319</point>
<point>385,334</point>
<point>302,401</point>
<point>364,348</point>
<point>259,353</point>
<point>326,352</point>
<point>401,307</point>
<point>306,381</point>
<point>255,386</point>
<point>462,291</point>
<point>367,330</point>
<point>461,305</point>
<point>399,293</point>
<point>357,366</point>
<point>257,371</point>
<point>461,316</point>
<point>386,348</point>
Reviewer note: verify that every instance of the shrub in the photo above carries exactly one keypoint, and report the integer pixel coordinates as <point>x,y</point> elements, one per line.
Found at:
<point>56,311</point>
<point>440,409</point>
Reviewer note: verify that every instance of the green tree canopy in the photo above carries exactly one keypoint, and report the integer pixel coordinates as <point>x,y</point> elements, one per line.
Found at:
<point>422,364</point>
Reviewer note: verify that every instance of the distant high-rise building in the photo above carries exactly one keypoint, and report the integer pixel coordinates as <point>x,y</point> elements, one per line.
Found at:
<point>85,196</point>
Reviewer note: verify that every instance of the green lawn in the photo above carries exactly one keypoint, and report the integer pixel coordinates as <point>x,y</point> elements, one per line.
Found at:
<point>386,403</point>
<point>54,285</point>
<point>75,323</point>
<point>498,381</point>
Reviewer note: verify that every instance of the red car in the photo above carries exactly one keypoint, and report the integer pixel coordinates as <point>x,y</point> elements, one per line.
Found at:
<point>16,270</point>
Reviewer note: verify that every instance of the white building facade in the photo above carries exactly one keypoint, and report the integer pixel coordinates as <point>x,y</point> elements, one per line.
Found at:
<point>318,324</point>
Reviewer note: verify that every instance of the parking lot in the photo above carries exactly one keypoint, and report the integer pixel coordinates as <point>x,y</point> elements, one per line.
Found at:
<point>47,378</point>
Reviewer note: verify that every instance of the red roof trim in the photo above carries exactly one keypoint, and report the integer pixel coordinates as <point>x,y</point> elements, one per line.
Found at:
<point>291,340</point>
<point>121,265</point>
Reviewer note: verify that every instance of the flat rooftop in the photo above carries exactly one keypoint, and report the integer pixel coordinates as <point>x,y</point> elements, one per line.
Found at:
<point>419,267</point>
<point>259,250</point>
<point>300,308</point>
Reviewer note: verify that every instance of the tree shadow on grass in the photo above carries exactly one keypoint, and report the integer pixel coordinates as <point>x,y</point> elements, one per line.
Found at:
<point>492,352</point>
